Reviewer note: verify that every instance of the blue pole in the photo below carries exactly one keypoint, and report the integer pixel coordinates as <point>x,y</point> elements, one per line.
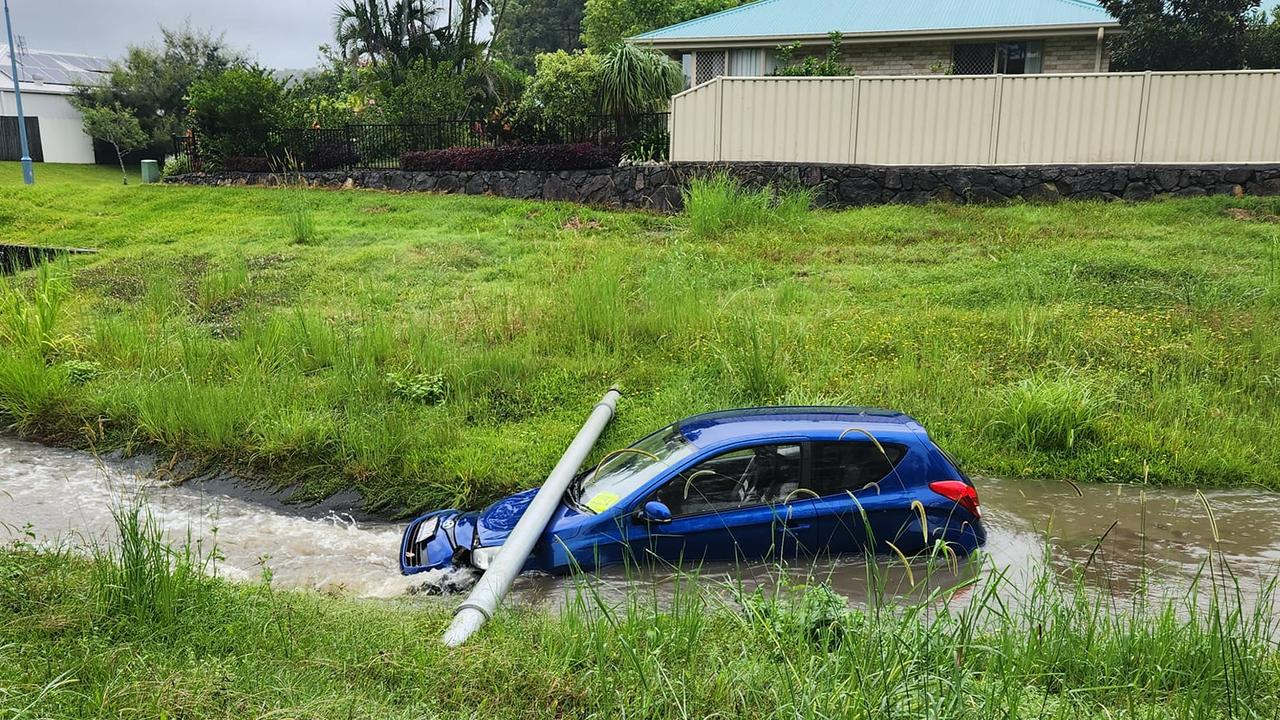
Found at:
<point>28,174</point>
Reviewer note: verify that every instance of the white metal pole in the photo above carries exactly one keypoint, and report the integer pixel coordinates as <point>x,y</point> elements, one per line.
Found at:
<point>493,585</point>
<point>28,173</point>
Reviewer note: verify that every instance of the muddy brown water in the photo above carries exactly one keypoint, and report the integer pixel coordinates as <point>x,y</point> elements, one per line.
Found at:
<point>64,497</point>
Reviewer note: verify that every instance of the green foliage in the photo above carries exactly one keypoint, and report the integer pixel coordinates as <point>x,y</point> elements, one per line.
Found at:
<point>1180,34</point>
<point>140,579</point>
<point>1262,44</point>
<point>426,93</point>
<point>828,66</point>
<point>949,648</point>
<point>426,388</point>
<point>31,323</point>
<point>330,96</point>
<point>153,82</point>
<point>176,165</point>
<point>115,125</point>
<point>565,88</point>
<point>1052,412</point>
<point>528,28</point>
<point>221,339</point>
<point>637,80</point>
<point>235,109</point>
<point>720,204</point>
<point>606,23</point>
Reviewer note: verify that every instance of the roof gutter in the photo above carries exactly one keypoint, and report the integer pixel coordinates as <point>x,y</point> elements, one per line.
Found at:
<point>1021,31</point>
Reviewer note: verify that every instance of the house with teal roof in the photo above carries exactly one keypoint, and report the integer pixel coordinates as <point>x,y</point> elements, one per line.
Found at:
<point>895,37</point>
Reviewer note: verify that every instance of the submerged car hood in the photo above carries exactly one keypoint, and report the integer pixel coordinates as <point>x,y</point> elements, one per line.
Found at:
<point>496,522</point>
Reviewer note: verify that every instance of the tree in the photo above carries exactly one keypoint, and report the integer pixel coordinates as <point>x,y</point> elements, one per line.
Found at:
<point>153,82</point>
<point>531,27</point>
<point>566,87</point>
<point>428,92</point>
<point>234,110</point>
<point>1262,47</point>
<point>116,125</point>
<point>377,31</point>
<point>605,23</point>
<point>1180,34</point>
<point>637,80</point>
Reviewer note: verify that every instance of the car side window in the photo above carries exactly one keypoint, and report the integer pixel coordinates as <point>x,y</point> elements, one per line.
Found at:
<point>759,475</point>
<point>850,465</point>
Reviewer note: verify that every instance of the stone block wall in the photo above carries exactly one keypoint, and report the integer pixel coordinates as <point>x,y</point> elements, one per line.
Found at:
<point>659,187</point>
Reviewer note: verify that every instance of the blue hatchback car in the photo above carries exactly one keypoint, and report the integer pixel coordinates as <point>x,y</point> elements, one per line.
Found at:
<point>758,483</point>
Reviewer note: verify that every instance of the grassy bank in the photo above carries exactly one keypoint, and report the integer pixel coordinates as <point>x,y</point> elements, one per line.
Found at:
<point>433,350</point>
<point>140,631</point>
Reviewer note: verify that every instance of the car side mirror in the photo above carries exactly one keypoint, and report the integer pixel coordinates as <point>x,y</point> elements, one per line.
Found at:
<point>655,512</point>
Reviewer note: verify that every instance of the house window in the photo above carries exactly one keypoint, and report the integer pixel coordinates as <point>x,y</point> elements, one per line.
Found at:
<point>746,63</point>
<point>1013,58</point>
<point>709,64</point>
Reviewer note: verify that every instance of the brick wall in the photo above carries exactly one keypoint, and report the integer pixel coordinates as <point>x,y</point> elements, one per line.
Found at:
<point>1067,54</point>
<point>1073,55</point>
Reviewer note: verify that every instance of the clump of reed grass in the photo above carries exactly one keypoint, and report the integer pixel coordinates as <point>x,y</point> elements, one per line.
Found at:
<point>141,577</point>
<point>222,286</point>
<point>1052,412</point>
<point>754,357</point>
<point>31,322</point>
<point>299,216</point>
<point>720,204</point>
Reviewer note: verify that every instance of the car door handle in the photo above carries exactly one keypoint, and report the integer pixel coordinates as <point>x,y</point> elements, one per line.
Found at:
<point>796,525</point>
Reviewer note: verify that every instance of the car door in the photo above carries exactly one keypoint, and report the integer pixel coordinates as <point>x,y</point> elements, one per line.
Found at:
<point>731,507</point>
<point>861,498</point>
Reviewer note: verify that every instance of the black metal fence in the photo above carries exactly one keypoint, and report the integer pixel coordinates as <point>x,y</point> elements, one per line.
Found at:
<point>379,147</point>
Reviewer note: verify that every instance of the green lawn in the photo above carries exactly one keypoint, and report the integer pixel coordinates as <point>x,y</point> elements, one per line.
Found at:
<point>432,350</point>
<point>82,640</point>
<point>437,349</point>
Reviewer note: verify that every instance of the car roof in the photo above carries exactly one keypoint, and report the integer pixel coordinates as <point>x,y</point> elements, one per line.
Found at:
<point>811,422</point>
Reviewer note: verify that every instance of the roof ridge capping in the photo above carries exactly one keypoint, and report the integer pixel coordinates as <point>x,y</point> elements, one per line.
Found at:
<point>702,18</point>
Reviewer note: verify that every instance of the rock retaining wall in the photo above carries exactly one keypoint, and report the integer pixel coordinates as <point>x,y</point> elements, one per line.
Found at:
<point>658,187</point>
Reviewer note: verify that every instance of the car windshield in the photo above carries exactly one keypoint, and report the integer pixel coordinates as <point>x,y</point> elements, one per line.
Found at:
<point>623,473</point>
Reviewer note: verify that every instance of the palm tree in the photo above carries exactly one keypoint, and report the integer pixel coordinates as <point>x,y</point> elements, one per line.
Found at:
<point>379,31</point>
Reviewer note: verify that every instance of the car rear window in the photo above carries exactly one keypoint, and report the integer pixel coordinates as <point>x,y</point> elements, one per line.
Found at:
<point>848,466</point>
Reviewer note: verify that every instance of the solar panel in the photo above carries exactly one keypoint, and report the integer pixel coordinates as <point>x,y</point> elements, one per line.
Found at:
<point>59,68</point>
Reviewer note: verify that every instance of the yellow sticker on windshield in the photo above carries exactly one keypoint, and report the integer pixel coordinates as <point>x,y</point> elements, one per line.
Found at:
<point>603,501</point>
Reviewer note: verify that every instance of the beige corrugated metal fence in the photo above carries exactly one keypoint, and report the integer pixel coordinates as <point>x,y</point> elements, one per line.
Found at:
<point>1195,117</point>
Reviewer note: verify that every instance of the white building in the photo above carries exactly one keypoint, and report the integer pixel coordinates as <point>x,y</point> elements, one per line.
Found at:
<point>47,80</point>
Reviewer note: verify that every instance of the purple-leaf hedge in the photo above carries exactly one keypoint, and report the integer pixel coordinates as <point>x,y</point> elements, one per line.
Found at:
<point>577,156</point>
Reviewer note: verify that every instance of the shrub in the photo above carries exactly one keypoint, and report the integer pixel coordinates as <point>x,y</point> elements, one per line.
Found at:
<point>246,163</point>
<point>326,150</point>
<point>177,165</point>
<point>579,156</point>
<point>566,87</point>
<point>426,93</point>
<point>235,109</point>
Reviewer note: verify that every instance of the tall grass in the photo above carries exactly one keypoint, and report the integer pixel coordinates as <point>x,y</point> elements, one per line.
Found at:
<point>720,204</point>
<point>220,287</point>
<point>31,322</point>
<point>141,578</point>
<point>1052,411</point>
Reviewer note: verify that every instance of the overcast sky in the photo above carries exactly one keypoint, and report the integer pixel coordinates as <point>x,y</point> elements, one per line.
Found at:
<point>279,33</point>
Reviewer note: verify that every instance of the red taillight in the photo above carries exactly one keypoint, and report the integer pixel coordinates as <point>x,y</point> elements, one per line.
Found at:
<point>959,492</point>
